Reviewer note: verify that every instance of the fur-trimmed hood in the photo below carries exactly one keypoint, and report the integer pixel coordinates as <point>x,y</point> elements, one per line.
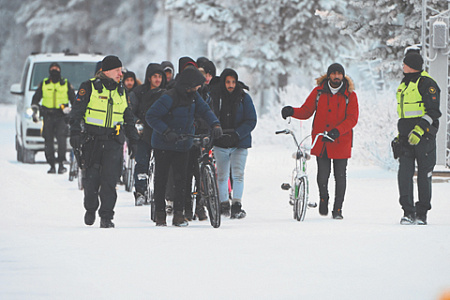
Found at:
<point>348,82</point>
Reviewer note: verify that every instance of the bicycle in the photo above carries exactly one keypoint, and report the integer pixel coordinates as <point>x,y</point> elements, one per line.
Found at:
<point>299,195</point>
<point>75,171</point>
<point>150,193</point>
<point>128,172</point>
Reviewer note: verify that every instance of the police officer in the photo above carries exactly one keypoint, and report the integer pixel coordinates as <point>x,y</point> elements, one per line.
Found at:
<point>56,93</point>
<point>418,111</point>
<point>102,105</point>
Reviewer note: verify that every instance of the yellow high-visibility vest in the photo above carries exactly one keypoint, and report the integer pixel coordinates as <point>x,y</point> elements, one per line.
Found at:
<point>54,94</point>
<point>409,100</point>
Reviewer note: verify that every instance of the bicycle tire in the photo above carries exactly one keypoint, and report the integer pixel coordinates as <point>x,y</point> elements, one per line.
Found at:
<point>72,166</point>
<point>210,194</point>
<point>129,174</point>
<point>300,200</point>
<point>151,188</point>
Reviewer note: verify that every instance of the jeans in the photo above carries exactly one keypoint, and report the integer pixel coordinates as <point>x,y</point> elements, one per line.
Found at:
<point>142,161</point>
<point>234,158</point>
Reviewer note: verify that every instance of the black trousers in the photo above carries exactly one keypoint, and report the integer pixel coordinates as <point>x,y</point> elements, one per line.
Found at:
<point>104,167</point>
<point>55,126</point>
<point>164,160</point>
<point>424,154</point>
<point>340,177</point>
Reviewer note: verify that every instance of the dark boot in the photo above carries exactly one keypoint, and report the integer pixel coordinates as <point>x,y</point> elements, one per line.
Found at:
<point>160,218</point>
<point>89,218</point>
<point>61,169</point>
<point>337,214</point>
<point>52,170</point>
<point>201,213</point>
<point>323,207</point>
<point>237,212</point>
<point>421,219</point>
<point>179,220</point>
<point>225,208</point>
<point>106,223</point>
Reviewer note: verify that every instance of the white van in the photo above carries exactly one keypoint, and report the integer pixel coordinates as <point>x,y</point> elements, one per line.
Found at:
<point>75,67</point>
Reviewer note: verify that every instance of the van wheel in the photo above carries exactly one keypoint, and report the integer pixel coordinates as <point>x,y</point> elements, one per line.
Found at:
<point>19,151</point>
<point>28,156</point>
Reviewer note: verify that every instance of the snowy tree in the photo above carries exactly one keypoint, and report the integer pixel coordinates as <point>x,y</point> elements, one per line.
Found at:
<point>270,38</point>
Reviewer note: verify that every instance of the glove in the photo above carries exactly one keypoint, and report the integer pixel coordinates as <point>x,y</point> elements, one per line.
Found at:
<point>170,136</point>
<point>287,111</point>
<point>35,110</point>
<point>75,141</point>
<point>216,132</point>
<point>132,150</point>
<point>228,140</point>
<point>415,135</point>
<point>333,134</point>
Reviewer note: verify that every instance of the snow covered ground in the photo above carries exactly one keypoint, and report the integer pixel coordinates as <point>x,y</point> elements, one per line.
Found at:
<point>46,251</point>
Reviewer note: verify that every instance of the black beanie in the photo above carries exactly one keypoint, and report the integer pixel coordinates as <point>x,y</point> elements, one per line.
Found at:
<point>413,60</point>
<point>111,62</point>
<point>129,74</point>
<point>335,67</point>
<point>54,64</point>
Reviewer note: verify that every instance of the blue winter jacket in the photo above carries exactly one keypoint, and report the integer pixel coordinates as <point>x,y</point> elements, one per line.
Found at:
<point>162,116</point>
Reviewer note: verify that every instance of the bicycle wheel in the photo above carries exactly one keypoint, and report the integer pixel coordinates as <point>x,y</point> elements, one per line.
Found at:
<point>129,174</point>
<point>151,188</point>
<point>300,200</point>
<point>210,194</point>
<point>73,166</point>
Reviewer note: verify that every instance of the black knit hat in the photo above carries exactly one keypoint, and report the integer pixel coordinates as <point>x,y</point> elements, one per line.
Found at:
<point>111,62</point>
<point>413,60</point>
<point>129,74</point>
<point>54,64</point>
<point>335,67</point>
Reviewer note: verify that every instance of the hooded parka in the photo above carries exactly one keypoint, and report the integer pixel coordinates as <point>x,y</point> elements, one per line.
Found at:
<point>338,111</point>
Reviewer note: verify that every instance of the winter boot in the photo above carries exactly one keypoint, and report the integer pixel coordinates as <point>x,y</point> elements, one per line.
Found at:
<point>408,219</point>
<point>139,199</point>
<point>200,213</point>
<point>188,215</point>
<point>52,170</point>
<point>337,214</point>
<point>421,219</point>
<point>179,220</point>
<point>323,207</point>
<point>89,218</point>
<point>225,208</point>
<point>160,218</point>
<point>237,212</point>
<point>106,223</point>
<point>61,169</point>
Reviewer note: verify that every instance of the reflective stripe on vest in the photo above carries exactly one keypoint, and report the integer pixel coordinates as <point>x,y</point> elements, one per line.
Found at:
<point>105,109</point>
<point>54,94</point>
<point>409,100</point>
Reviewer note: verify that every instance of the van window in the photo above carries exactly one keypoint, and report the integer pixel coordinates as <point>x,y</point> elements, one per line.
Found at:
<point>76,72</point>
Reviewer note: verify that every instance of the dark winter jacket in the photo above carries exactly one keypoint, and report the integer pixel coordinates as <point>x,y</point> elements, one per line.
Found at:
<point>235,111</point>
<point>143,97</point>
<point>176,110</point>
<point>332,111</point>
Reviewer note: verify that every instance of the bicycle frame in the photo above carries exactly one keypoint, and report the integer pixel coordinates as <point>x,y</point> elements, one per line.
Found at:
<point>299,196</point>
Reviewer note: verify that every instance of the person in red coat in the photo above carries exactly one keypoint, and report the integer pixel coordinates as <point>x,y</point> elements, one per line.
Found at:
<point>335,105</point>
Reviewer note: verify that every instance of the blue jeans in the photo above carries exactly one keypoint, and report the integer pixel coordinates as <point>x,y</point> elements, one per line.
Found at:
<point>142,158</point>
<point>234,158</point>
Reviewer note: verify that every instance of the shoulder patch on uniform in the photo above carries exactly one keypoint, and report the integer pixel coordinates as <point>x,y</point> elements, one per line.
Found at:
<point>82,92</point>
<point>432,90</point>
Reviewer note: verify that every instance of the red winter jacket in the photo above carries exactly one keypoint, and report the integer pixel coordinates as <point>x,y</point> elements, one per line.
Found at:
<point>332,112</point>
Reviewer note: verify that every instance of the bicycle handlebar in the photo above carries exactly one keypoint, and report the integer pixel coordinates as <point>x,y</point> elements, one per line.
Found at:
<point>288,131</point>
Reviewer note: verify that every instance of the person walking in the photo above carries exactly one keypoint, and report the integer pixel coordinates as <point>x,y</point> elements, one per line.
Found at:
<point>335,105</point>
<point>130,81</point>
<point>102,106</point>
<point>171,117</point>
<point>145,95</point>
<point>169,70</point>
<point>236,112</point>
<point>418,99</point>
<point>56,93</point>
